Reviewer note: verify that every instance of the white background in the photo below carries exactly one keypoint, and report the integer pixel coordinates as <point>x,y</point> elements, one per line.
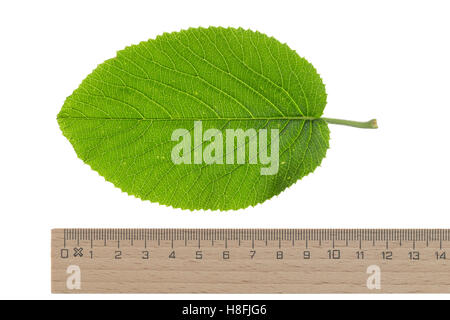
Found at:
<point>388,60</point>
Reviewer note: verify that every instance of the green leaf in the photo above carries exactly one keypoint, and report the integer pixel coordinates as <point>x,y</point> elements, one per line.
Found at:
<point>122,118</point>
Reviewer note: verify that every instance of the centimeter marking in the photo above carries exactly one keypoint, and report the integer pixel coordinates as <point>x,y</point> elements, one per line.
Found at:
<point>292,235</point>
<point>250,261</point>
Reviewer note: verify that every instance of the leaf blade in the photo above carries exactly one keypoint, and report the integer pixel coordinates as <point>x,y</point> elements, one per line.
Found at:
<point>121,117</point>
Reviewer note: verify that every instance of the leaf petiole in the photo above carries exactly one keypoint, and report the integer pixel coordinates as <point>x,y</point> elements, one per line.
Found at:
<point>371,124</point>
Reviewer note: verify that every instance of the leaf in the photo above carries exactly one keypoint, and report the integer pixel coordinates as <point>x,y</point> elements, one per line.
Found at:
<point>121,119</point>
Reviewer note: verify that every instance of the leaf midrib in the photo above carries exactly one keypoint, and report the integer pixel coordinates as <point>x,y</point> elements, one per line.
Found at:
<point>192,119</point>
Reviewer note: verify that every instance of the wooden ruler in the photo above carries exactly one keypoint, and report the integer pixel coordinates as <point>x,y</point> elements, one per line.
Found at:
<point>250,261</point>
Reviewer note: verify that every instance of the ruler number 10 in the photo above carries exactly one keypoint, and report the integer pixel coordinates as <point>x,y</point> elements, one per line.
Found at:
<point>334,254</point>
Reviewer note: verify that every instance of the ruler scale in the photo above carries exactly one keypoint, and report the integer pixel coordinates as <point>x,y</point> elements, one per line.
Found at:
<point>250,261</point>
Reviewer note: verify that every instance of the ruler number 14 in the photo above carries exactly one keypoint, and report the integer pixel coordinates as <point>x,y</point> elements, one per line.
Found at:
<point>441,255</point>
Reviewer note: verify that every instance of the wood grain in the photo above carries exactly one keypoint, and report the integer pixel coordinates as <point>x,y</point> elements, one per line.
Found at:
<point>113,260</point>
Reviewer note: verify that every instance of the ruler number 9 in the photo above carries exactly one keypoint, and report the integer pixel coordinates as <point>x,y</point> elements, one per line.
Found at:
<point>306,255</point>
